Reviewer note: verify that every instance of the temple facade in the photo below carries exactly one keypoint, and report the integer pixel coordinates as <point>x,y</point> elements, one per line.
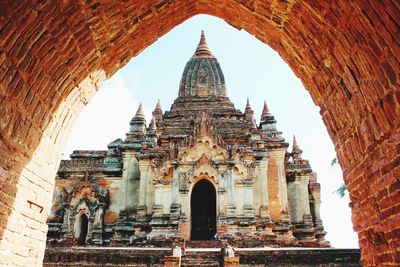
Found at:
<point>203,170</point>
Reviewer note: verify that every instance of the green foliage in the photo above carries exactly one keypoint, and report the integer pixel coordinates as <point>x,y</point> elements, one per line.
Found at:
<point>334,161</point>
<point>342,189</point>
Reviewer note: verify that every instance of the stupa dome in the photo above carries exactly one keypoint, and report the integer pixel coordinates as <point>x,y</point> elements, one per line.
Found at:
<point>202,75</point>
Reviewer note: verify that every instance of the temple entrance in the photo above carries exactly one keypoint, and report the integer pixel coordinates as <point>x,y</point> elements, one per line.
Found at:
<point>203,211</point>
<point>82,229</point>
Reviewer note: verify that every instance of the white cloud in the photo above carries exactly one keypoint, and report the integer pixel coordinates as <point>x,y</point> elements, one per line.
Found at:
<point>105,118</point>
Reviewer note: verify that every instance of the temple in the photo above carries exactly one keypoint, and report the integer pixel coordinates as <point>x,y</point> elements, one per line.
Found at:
<point>203,170</point>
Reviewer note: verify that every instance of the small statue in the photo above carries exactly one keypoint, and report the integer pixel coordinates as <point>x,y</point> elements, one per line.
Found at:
<point>176,251</point>
<point>228,251</point>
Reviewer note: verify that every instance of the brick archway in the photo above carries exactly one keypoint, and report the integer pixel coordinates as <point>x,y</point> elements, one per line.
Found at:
<point>54,56</point>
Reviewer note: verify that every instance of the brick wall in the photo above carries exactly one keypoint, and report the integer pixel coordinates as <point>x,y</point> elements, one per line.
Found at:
<point>54,54</point>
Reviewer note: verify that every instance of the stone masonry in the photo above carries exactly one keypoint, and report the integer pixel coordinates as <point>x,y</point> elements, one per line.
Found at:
<point>201,171</point>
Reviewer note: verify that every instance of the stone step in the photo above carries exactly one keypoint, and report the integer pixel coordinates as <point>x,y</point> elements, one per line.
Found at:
<point>200,263</point>
<point>125,256</point>
<point>200,257</point>
<point>204,244</point>
<point>194,264</point>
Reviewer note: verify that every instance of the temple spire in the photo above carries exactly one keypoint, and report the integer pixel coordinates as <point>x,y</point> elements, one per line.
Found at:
<point>266,112</point>
<point>296,151</point>
<point>152,126</point>
<point>157,113</point>
<point>139,112</point>
<point>202,49</point>
<point>158,106</point>
<point>295,145</point>
<point>248,113</point>
<point>138,124</point>
<point>151,134</point>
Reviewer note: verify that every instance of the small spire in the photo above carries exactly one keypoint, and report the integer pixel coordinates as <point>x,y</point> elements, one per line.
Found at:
<point>157,109</point>
<point>248,107</point>
<point>151,134</point>
<point>265,113</point>
<point>157,113</point>
<point>248,113</point>
<point>138,123</point>
<point>202,38</point>
<point>202,49</point>
<point>139,111</point>
<point>295,146</point>
<point>152,125</point>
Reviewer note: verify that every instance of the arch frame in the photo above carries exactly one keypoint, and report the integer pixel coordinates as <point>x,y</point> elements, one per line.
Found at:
<point>78,227</point>
<point>214,186</point>
<point>54,56</point>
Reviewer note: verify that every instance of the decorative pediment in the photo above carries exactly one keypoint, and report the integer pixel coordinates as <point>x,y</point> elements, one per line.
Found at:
<point>87,191</point>
<point>205,147</point>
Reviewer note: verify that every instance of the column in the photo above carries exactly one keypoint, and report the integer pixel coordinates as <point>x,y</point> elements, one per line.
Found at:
<point>130,163</point>
<point>304,200</point>
<point>144,167</point>
<point>301,196</point>
<point>231,207</point>
<point>158,209</point>
<point>319,227</point>
<point>181,207</point>
<point>262,168</point>
<point>283,196</point>
<point>304,229</point>
<point>248,209</point>
<point>176,201</point>
<point>222,189</point>
<point>175,184</point>
<point>299,199</point>
<point>182,212</point>
<point>318,220</point>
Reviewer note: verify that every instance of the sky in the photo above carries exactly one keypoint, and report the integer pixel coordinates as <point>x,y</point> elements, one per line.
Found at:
<point>252,69</point>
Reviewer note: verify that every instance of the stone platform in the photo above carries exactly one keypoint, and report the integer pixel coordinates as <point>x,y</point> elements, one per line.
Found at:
<point>86,256</point>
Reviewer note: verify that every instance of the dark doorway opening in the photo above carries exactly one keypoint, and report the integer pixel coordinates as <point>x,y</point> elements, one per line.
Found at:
<point>83,229</point>
<point>203,209</point>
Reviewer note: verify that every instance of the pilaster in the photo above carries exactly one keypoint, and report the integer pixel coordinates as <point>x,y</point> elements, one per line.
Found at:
<point>130,162</point>
<point>231,206</point>
<point>262,172</point>
<point>144,167</point>
<point>176,200</point>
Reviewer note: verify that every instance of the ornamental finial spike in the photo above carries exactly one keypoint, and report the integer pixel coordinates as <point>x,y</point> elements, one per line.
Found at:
<point>295,146</point>
<point>265,113</point>
<point>202,49</point>
<point>139,111</point>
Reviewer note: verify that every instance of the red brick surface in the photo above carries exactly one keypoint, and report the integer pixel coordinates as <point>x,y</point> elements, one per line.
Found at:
<point>53,54</point>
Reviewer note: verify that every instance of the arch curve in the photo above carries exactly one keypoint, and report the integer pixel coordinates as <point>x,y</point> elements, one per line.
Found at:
<point>203,210</point>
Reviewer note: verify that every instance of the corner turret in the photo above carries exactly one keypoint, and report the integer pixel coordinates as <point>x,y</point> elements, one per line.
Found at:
<point>157,113</point>
<point>249,114</point>
<point>151,135</point>
<point>138,124</point>
<point>268,128</point>
<point>267,122</point>
<point>296,151</point>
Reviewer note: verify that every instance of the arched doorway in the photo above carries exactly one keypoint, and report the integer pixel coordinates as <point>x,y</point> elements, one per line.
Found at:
<point>82,225</point>
<point>203,211</point>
